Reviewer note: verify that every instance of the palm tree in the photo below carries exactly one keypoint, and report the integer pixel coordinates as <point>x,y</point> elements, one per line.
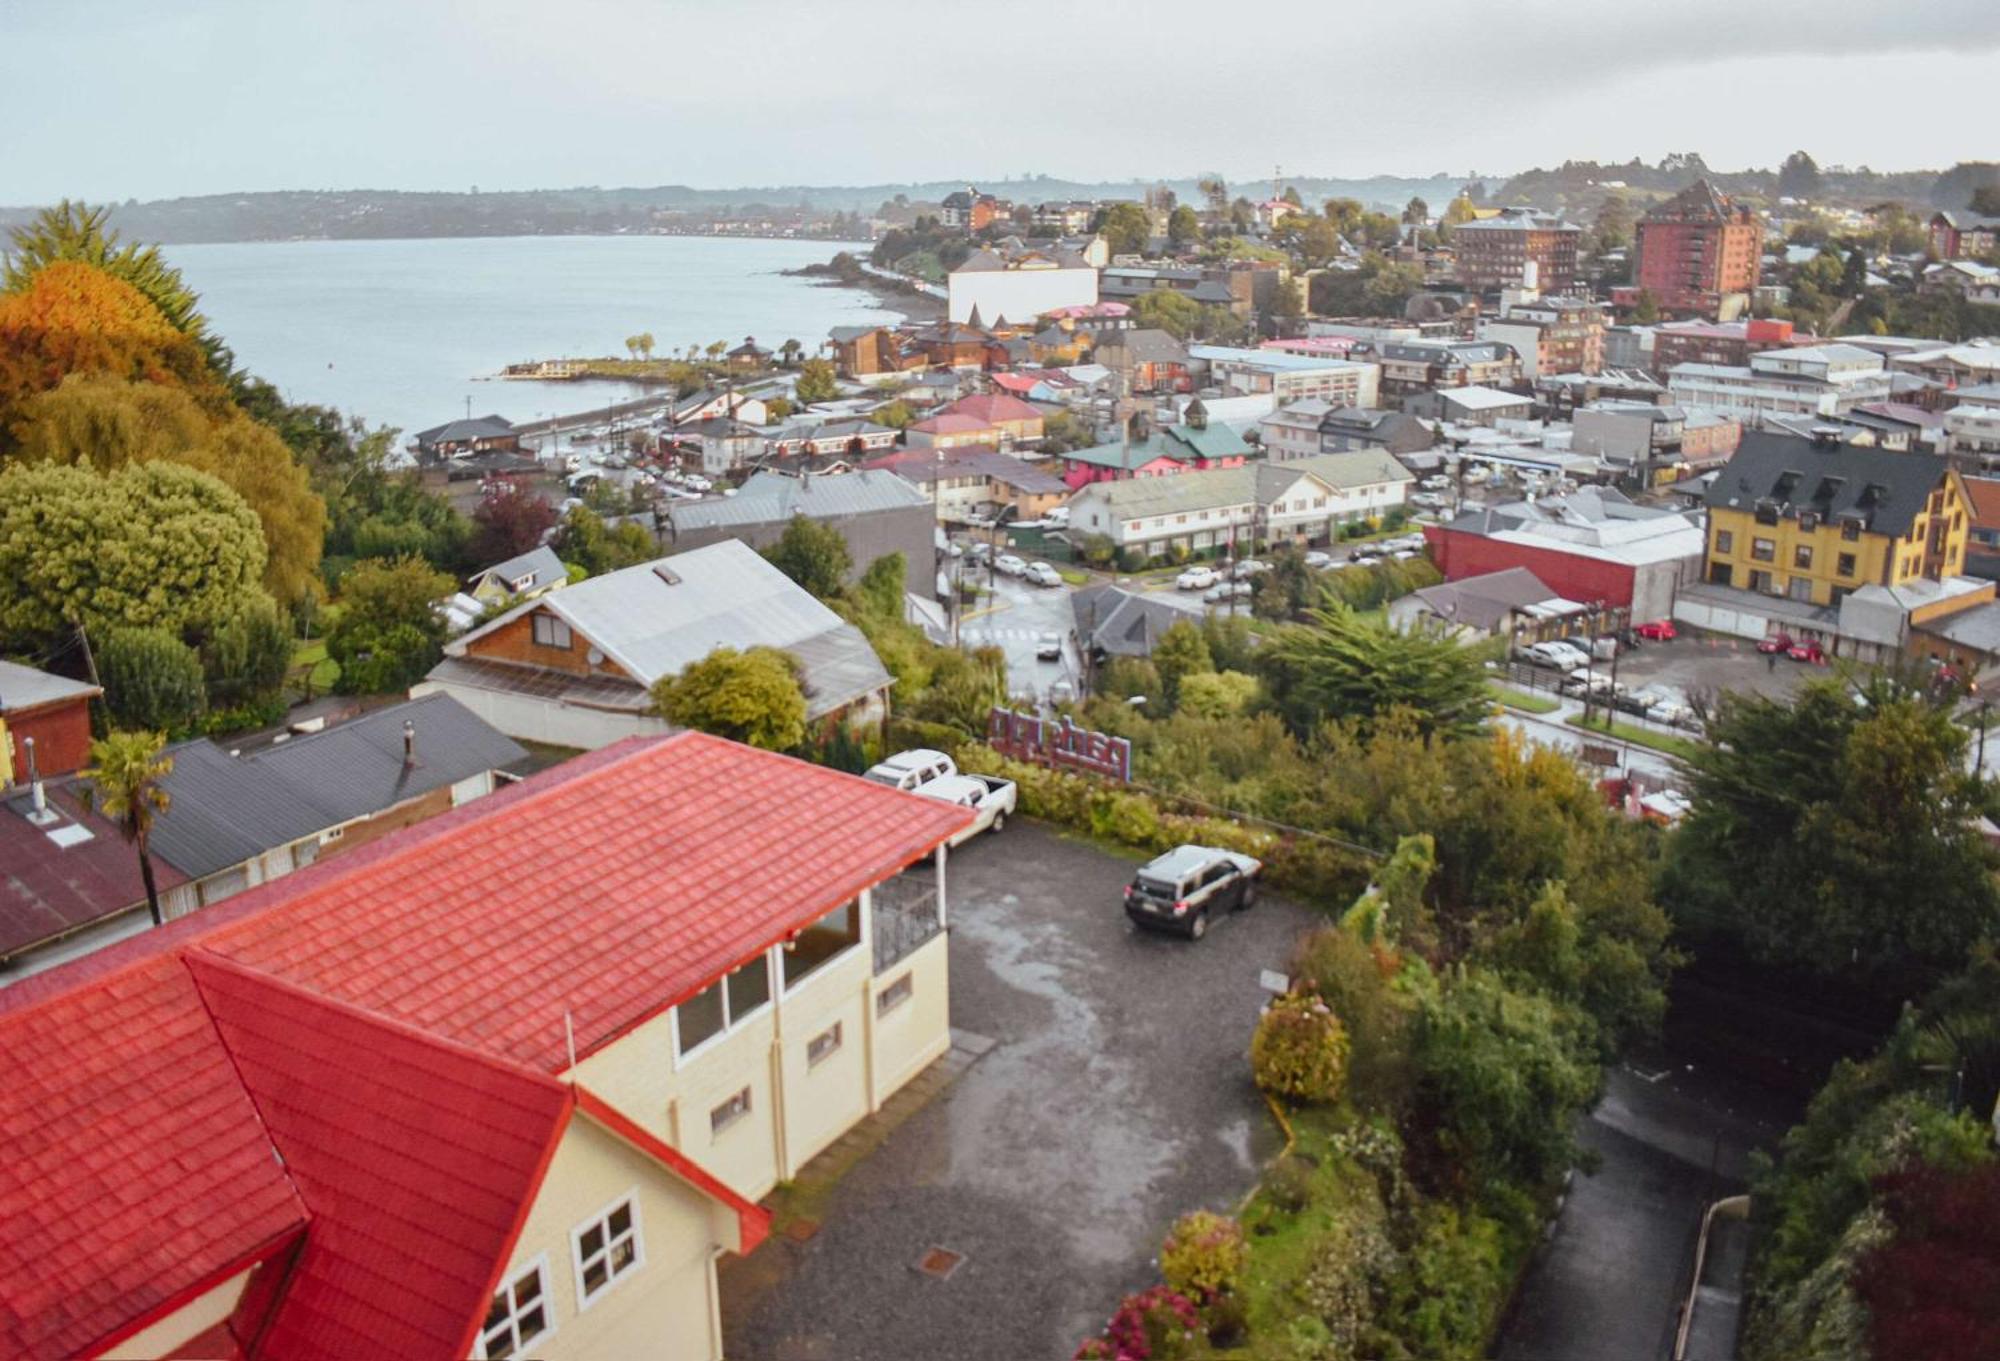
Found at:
<point>790,351</point>
<point>124,782</point>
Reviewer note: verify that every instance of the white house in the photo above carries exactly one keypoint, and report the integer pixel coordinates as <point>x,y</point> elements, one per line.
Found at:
<point>1020,285</point>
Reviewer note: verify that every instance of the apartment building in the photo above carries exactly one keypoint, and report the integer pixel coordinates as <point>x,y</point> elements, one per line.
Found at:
<point>1414,366</point>
<point>1289,377</point>
<point>1517,248</point>
<point>1822,380</point>
<point>1698,252</point>
<point>1551,335</point>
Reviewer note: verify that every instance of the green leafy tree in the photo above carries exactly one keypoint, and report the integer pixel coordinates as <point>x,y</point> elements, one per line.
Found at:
<point>881,588</point>
<point>816,382</point>
<point>1316,241</point>
<point>511,519</point>
<point>789,352</point>
<point>126,782</point>
<point>152,680</point>
<point>1175,313</point>
<point>897,415</point>
<point>153,544</point>
<point>1217,694</point>
<point>389,633</point>
<point>1459,211</point>
<point>1125,228</point>
<point>814,555</point>
<point>644,343</point>
<point>1344,666</point>
<point>1183,227</point>
<point>585,540</point>
<point>1299,1049</point>
<point>1416,211</point>
<point>751,697</point>
<point>1818,821</point>
<point>245,656</point>
<point>1180,652</point>
<point>1612,229</point>
<point>1799,177</point>
<point>1646,311</point>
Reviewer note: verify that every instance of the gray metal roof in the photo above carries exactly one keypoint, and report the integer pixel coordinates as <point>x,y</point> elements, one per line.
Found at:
<point>23,687</point>
<point>225,809</point>
<point>542,562</point>
<point>774,497</point>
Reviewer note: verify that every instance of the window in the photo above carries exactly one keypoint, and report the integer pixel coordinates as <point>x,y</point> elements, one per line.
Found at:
<point>608,1249</point>
<point>1802,557</point>
<point>518,1315</point>
<point>1761,581</point>
<point>1725,541</point>
<point>829,937</point>
<point>729,1112</point>
<point>1844,565</point>
<point>551,631</point>
<point>1850,530</point>
<point>723,1005</point>
<point>893,996</point>
<point>823,1045</point>
<point>1763,550</point>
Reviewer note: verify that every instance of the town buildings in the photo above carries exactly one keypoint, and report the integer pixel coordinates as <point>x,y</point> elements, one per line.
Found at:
<point>370,1110</point>
<point>1963,234</point>
<point>1288,377</point>
<point>1413,366</point>
<point>1729,343</point>
<point>1815,519</point>
<point>1018,285</point>
<point>1648,443</point>
<point>875,512</point>
<point>978,483</point>
<point>1146,359</point>
<point>856,437</point>
<point>576,668</point>
<point>1517,248</point>
<point>1823,380</point>
<point>473,435</point>
<point>1698,253</point>
<point>1551,335</point>
<point>1149,450</point>
<point>44,716</point>
<point>1594,546</point>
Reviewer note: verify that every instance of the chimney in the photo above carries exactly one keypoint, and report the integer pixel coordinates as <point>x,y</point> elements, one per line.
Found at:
<point>38,796</point>
<point>409,742</point>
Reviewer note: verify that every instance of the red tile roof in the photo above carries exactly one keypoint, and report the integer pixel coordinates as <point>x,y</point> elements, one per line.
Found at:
<point>951,423</point>
<point>134,1168</point>
<point>1983,493</point>
<point>417,1158</point>
<point>990,408</point>
<point>137,1169</point>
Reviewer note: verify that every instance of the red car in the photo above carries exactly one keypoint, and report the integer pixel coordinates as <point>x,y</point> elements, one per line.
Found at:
<point>1808,651</point>
<point>1659,631</point>
<point>1777,642</point>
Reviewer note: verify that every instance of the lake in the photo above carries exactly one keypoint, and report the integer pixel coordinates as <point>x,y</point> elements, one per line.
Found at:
<point>402,333</point>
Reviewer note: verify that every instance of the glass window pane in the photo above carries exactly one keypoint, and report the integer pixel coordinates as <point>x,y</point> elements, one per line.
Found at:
<point>593,1240</point>
<point>533,1323</point>
<point>701,1016</point>
<point>593,1277</point>
<point>501,1345</point>
<point>528,1288</point>
<point>820,942</point>
<point>621,1221</point>
<point>621,1255</point>
<point>498,1312</point>
<point>749,987</point>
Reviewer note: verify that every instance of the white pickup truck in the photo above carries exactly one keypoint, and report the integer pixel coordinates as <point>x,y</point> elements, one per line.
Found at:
<point>912,769</point>
<point>989,797</point>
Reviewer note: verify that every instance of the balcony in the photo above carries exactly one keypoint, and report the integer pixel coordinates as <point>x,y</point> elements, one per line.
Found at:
<point>903,914</point>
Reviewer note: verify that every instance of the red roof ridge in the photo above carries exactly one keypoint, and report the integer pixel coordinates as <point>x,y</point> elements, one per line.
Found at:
<point>118,960</point>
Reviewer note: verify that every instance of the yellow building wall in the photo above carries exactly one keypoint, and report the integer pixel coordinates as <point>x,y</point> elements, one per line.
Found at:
<point>666,1308</point>
<point>918,1031</point>
<point>198,1315</point>
<point>1878,558</point>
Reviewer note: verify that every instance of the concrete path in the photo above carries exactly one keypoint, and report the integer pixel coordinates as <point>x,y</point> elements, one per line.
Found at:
<point>1116,1096</point>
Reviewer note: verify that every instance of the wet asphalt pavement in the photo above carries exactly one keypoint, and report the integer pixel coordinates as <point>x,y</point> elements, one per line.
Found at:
<point>1116,1097</point>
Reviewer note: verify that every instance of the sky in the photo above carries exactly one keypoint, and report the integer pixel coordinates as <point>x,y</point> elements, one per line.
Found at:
<point>116,99</point>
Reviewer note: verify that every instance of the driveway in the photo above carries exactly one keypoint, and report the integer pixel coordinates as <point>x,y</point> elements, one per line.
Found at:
<point>1116,1097</point>
<point>1013,619</point>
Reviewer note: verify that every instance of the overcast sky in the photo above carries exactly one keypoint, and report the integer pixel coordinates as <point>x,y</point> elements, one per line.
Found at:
<point>110,99</point>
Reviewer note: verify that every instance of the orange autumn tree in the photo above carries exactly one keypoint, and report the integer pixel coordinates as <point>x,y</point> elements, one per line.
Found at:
<point>74,318</point>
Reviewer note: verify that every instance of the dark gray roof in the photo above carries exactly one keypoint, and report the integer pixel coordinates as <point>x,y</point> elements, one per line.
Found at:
<point>477,427</point>
<point>227,809</point>
<point>1884,487</point>
<point>542,561</point>
<point>1485,602</point>
<point>1123,623</point>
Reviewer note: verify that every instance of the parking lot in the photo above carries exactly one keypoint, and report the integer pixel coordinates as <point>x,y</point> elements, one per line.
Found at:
<point>1707,663</point>
<point>1116,1096</point>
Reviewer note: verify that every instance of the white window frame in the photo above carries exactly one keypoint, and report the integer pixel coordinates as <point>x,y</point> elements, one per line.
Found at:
<point>862,940</point>
<point>603,1216</point>
<point>539,1263</point>
<point>746,1095</point>
<point>774,973</point>
<point>557,626</point>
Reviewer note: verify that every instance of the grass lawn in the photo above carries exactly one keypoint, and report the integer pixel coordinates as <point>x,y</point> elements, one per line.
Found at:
<point>325,670</point>
<point>1527,701</point>
<point>1073,577</point>
<point>1682,747</point>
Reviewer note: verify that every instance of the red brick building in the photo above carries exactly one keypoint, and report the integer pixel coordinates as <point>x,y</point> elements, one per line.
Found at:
<point>1697,249</point>
<point>1494,252</point>
<point>53,712</point>
<point>1963,235</point>
<point>1729,343</point>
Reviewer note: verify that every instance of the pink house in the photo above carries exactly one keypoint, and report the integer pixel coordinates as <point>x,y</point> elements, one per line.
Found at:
<point>1192,448</point>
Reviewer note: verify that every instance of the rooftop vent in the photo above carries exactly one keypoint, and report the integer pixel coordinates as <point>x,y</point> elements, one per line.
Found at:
<point>1825,436</point>
<point>666,574</point>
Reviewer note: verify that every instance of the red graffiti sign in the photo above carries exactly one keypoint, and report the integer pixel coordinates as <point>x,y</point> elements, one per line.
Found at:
<point>1058,742</point>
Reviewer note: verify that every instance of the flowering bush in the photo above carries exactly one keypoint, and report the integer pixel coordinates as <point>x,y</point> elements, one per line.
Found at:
<point>1159,1324</point>
<point>1300,1049</point>
<point>1204,1255</point>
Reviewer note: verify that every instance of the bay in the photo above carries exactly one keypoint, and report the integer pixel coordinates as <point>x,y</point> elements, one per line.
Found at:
<point>403,333</point>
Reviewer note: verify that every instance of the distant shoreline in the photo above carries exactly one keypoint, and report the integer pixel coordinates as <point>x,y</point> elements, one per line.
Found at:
<point>912,305</point>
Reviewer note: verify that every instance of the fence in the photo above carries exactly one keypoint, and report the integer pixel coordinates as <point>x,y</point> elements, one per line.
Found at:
<point>903,915</point>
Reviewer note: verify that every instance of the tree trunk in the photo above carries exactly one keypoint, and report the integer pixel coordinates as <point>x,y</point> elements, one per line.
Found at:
<point>152,890</point>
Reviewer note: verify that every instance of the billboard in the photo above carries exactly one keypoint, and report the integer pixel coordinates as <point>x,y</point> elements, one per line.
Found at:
<point>1058,743</point>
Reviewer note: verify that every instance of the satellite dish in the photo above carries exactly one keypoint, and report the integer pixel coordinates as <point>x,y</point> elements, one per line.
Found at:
<point>594,656</point>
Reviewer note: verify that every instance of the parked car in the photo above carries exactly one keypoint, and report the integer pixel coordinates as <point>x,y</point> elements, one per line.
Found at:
<point>1048,647</point>
<point>980,550</point>
<point>1661,704</point>
<point>1009,565</point>
<point>912,769</point>
<point>1563,656</point>
<point>1405,554</point>
<point>1057,518</point>
<point>1227,590</point>
<point>1041,574</point>
<point>1808,650</point>
<point>991,799</point>
<point>1186,888</point>
<point>1604,647</point>
<point>1196,579</point>
<point>1429,500</point>
<point>1435,482</point>
<point>1250,567</point>
<point>1598,684</point>
<point>1776,642</point>
<point>1319,561</point>
<point>1061,691</point>
<point>1658,631</point>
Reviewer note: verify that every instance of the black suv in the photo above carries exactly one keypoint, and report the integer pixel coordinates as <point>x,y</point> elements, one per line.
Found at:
<point>1183,889</point>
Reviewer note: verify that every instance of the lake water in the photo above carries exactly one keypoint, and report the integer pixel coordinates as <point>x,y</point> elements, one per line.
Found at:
<point>403,332</point>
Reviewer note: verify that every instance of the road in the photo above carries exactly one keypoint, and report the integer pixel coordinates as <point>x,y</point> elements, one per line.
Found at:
<point>1116,1097</point>
<point>1551,730</point>
<point>1015,618</point>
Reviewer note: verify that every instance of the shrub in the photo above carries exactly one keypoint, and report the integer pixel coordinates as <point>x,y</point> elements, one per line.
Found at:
<point>1354,980</point>
<point>1288,1185</point>
<point>1132,560</point>
<point>1300,1049</point>
<point>1129,819</point>
<point>152,680</point>
<point>247,654</point>
<point>1159,1324</point>
<point>1204,1255</point>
